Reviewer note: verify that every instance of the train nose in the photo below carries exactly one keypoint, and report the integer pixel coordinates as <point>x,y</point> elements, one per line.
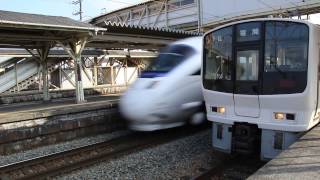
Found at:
<point>133,106</point>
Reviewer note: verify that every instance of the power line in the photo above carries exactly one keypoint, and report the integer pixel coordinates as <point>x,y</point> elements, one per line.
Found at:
<point>122,2</point>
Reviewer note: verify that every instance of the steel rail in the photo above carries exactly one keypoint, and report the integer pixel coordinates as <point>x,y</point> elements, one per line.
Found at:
<point>66,161</point>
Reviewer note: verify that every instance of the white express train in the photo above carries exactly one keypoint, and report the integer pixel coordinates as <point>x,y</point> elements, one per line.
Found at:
<point>261,83</point>
<point>169,91</point>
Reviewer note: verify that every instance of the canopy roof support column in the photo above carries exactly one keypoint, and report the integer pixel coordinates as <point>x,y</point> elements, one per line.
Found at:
<point>74,49</point>
<point>112,72</point>
<point>95,71</point>
<point>16,75</point>
<point>41,57</point>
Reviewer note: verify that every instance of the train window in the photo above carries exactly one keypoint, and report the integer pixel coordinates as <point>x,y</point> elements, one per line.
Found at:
<point>218,59</point>
<point>286,47</point>
<point>247,65</point>
<point>197,73</point>
<point>218,49</point>
<point>286,57</point>
<point>170,57</point>
<point>248,32</point>
<point>178,3</point>
<point>186,2</point>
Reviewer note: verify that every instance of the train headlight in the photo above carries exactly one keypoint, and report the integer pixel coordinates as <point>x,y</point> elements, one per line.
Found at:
<point>220,110</point>
<point>279,116</point>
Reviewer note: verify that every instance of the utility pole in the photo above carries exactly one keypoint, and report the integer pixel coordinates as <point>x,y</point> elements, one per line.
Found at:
<point>80,12</point>
<point>199,15</point>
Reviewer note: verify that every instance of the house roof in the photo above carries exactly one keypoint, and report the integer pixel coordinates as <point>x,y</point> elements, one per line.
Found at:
<point>17,20</point>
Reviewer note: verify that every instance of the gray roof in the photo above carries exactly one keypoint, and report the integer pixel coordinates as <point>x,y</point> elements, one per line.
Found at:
<point>52,53</point>
<point>119,36</point>
<point>25,19</point>
<point>114,27</point>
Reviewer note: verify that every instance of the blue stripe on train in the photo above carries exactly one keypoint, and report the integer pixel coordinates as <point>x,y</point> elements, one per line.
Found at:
<point>152,74</point>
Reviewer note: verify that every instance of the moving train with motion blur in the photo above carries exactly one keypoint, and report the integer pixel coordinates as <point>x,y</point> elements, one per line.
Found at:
<point>260,82</point>
<point>168,93</point>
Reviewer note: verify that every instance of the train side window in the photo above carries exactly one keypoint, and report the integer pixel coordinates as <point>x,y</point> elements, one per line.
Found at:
<point>186,2</point>
<point>170,57</point>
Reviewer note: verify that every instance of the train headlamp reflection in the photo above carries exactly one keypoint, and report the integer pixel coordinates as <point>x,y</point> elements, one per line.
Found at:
<point>284,116</point>
<point>279,115</point>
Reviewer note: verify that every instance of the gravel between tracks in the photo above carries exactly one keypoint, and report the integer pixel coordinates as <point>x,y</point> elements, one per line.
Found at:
<point>184,158</point>
<point>45,150</point>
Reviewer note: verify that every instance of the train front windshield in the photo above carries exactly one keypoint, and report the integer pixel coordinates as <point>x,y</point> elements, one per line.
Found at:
<point>269,57</point>
<point>169,58</point>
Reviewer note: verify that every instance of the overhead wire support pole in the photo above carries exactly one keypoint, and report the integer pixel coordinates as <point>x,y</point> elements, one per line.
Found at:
<point>80,12</point>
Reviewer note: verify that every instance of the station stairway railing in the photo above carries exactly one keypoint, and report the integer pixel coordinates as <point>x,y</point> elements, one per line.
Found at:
<point>27,74</point>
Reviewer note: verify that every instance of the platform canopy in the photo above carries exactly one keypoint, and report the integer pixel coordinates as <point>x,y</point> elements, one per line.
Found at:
<point>119,35</point>
<point>24,30</point>
<point>40,33</point>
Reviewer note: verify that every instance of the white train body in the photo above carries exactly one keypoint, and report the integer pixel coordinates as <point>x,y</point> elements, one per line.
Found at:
<point>261,78</point>
<point>169,91</point>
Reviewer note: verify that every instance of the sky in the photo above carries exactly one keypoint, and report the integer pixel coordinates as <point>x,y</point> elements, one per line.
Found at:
<point>91,8</point>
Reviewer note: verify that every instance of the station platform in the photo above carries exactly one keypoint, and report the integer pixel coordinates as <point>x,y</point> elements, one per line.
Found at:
<point>300,161</point>
<point>28,125</point>
<point>30,110</point>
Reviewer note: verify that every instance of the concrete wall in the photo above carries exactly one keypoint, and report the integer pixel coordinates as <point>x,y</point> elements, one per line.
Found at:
<point>106,75</point>
<point>65,84</point>
<point>29,96</point>
<point>32,129</point>
<point>120,80</point>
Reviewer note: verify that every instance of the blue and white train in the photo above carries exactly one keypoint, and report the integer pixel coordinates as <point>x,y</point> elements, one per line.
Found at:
<point>261,83</point>
<point>168,93</point>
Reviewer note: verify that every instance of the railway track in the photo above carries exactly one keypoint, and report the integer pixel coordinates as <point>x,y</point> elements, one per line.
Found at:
<point>70,160</point>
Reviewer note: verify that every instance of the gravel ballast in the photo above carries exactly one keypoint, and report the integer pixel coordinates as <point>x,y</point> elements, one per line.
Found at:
<point>184,158</point>
<point>46,150</point>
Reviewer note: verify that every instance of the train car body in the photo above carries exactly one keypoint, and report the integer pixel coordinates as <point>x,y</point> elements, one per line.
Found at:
<point>261,83</point>
<point>169,91</point>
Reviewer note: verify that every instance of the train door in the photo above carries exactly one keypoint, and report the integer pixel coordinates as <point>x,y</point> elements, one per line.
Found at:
<point>246,87</point>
